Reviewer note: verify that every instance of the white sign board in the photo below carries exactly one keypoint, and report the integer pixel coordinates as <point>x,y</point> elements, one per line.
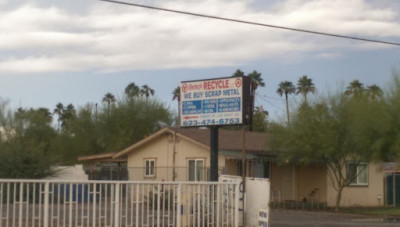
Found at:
<point>214,102</point>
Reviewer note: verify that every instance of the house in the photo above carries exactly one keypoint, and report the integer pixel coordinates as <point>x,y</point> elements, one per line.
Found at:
<point>177,154</point>
<point>183,154</point>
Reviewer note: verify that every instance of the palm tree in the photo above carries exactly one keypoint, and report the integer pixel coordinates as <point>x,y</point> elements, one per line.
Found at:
<point>59,111</point>
<point>255,82</point>
<point>355,88</point>
<point>305,86</point>
<point>68,113</point>
<point>286,87</point>
<point>238,73</point>
<point>177,95</point>
<point>146,91</point>
<point>374,91</point>
<point>109,98</point>
<point>132,90</point>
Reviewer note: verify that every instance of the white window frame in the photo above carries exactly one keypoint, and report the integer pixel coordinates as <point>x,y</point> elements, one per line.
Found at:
<point>150,170</point>
<point>196,160</point>
<point>360,166</point>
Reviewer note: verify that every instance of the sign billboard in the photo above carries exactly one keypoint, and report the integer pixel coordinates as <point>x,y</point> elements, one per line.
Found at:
<point>221,101</point>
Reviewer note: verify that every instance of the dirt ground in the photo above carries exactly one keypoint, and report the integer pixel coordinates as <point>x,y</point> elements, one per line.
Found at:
<point>282,217</point>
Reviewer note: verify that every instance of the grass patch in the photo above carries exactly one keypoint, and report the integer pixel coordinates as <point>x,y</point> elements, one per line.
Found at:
<point>373,211</point>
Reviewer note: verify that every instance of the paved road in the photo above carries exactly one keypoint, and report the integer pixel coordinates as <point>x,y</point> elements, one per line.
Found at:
<point>281,217</point>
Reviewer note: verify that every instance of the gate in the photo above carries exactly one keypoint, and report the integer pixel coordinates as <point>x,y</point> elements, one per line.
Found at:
<point>114,204</point>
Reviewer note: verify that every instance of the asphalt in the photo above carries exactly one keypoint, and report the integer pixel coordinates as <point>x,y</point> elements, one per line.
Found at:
<point>282,217</point>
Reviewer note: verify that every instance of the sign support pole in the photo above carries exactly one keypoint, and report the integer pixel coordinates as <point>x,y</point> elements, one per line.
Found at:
<point>214,153</point>
<point>244,172</point>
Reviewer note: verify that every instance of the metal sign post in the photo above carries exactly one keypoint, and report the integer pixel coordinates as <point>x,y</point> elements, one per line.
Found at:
<point>214,153</point>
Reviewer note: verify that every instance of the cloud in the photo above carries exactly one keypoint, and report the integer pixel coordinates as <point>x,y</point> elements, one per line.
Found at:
<point>108,37</point>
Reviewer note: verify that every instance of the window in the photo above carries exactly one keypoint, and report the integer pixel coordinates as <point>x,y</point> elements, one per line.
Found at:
<point>150,168</point>
<point>357,173</point>
<point>196,170</point>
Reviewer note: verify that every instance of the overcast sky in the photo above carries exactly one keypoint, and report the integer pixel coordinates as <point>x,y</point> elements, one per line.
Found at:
<point>74,51</point>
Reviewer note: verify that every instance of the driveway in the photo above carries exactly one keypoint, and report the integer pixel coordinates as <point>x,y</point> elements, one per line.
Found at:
<point>281,217</point>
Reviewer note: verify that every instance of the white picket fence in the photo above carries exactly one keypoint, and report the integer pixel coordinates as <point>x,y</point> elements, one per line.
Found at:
<point>117,203</point>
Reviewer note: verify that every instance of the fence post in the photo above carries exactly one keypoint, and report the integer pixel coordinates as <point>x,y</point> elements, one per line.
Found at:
<point>116,210</point>
<point>158,205</point>
<point>21,202</point>
<point>179,206</point>
<point>236,211</point>
<point>94,204</point>
<point>46,205</point>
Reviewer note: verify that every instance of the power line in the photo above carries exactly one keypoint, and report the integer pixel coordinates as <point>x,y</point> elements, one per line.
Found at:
<point>265,100</point>
<point>270,97</point>
<point>254,23</point>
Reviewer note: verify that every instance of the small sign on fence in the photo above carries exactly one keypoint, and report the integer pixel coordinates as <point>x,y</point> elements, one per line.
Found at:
<point>263,218</point>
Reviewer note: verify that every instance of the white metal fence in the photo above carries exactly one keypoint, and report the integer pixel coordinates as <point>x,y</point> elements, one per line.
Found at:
<point>121,203</point>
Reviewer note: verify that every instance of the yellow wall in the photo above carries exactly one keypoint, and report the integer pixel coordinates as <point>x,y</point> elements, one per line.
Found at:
<point>296,183</point>
<point>365,196</point>
<point>305,179</point>
<point>161,149</point>
<point>311,183</point>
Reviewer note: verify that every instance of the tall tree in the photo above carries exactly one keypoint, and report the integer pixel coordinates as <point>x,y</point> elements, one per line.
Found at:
<point>255,81</point>
<point>130,121</point>
<point>260,123</point>
<point>176,94</point>
<point>305,86</point>
<point>24,145</point>
<point>146,91</point>
<point>109,98</point>
<point>374,91</point>
<point>238,73</point>
<point>335,132</point>
<point>132,90</point>
<point>355,88</point>
<point>58,110</point>
<point>286,88</point>
<point>68,114</point>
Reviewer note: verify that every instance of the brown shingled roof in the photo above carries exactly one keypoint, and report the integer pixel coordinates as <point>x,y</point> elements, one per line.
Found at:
<point>230,140</point>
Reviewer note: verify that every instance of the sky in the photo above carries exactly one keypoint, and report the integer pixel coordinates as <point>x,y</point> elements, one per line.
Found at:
<point>74,51</point>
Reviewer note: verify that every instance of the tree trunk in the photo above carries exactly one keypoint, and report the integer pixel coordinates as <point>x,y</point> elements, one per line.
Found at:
<point>338,198</point>
<point>287,108</point>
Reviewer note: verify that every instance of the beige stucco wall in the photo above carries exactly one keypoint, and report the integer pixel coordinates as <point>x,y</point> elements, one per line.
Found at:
<point>276,182</point>
<point>296,183</point>
<point>365,196</point>
<point>158,150</point>
<point>161,149</point>
<point>311,183</point>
